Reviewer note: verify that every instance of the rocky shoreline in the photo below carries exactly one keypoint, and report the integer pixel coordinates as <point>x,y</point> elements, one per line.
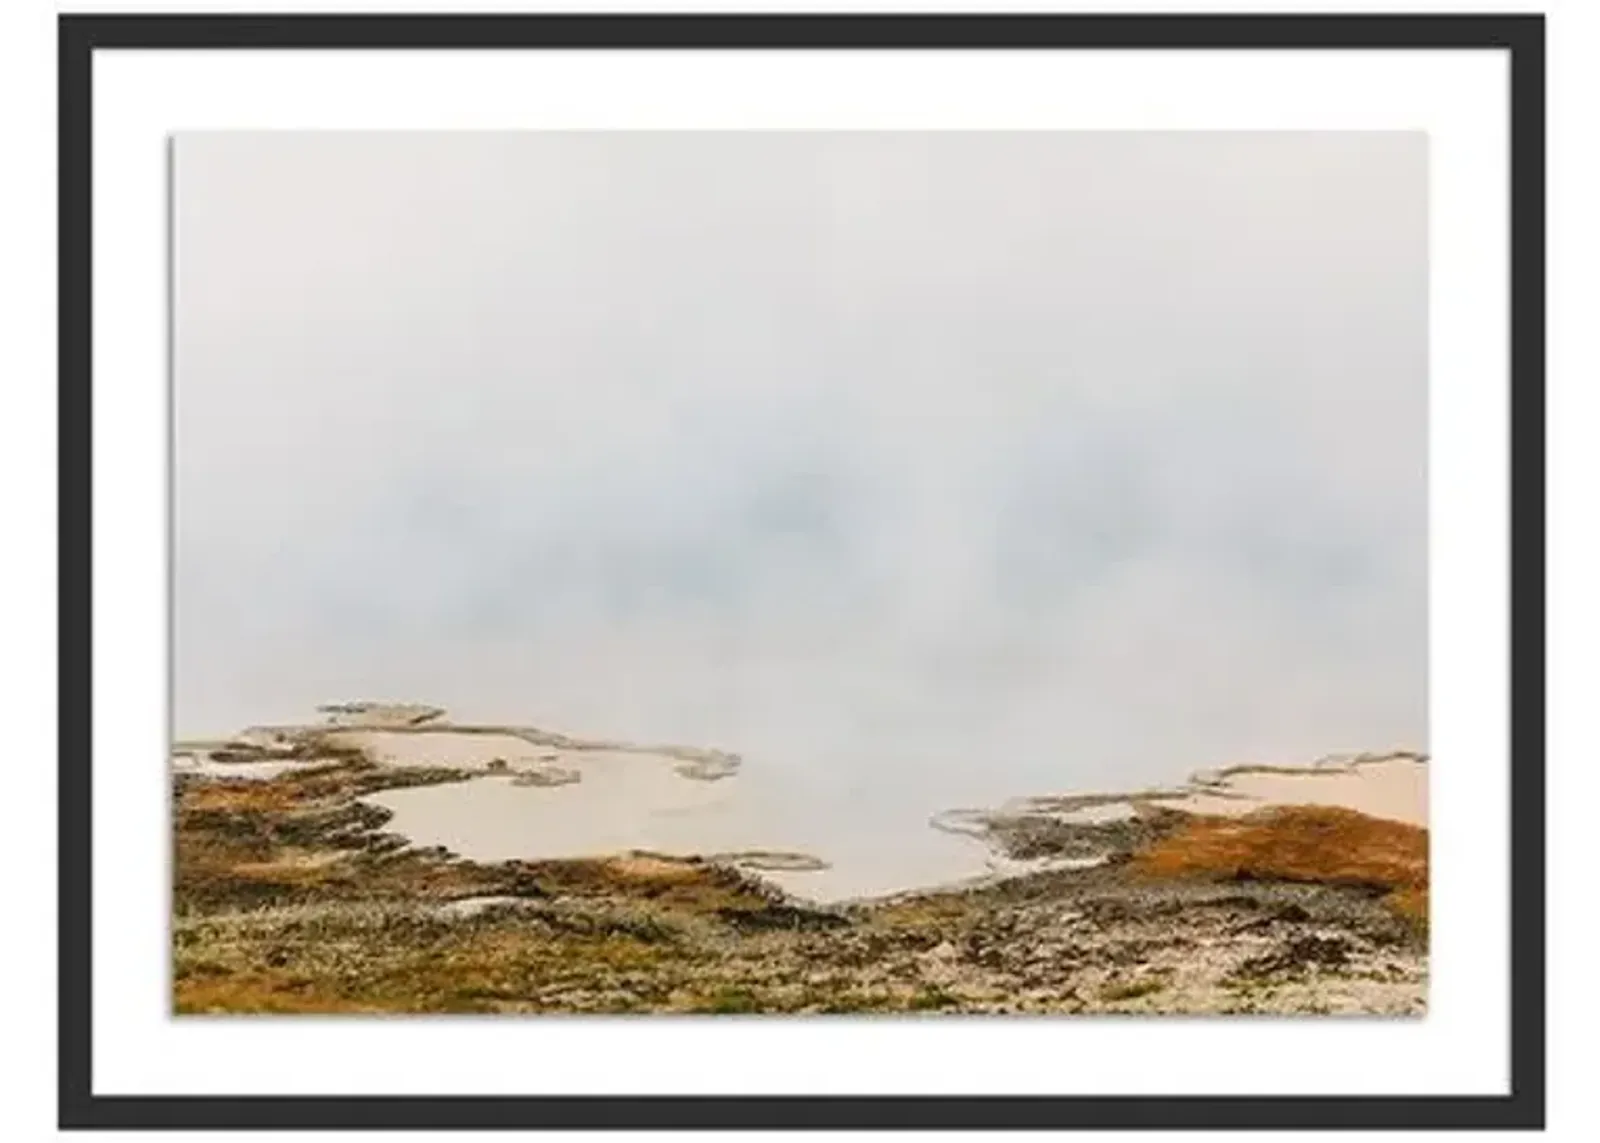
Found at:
<point>291,896</point>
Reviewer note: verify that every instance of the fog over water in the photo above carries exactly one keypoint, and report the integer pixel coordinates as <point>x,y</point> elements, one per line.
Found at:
<point>920,469</point>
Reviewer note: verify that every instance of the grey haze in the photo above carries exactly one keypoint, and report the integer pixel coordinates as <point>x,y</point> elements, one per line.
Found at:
<point>986,464</point>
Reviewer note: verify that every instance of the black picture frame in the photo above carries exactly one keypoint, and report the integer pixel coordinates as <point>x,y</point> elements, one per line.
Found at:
<point>1522,36</point>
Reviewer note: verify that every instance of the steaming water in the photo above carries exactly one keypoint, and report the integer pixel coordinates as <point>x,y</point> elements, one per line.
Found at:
<point>610,801</point>
<point>633,801</point>
<point>874,843</point>
<point>922,470</point>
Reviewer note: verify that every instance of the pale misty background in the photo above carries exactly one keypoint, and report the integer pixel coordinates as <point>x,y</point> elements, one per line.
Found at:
<point>965,464</point>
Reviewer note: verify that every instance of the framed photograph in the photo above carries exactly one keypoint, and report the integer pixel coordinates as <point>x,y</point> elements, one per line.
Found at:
<point>759,571</point>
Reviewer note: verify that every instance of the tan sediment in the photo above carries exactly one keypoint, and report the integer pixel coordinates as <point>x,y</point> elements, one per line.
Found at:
<point>770,861</point>
<point>648,867</point>
<point>414,734</point>
<point>1392,787</point>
